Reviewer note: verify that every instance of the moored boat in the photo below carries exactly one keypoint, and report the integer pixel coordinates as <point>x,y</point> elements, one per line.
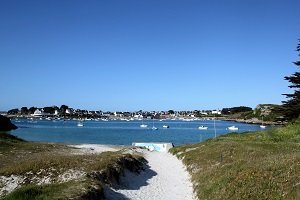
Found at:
<point>262,126</point>
<point>143,125</point>
<point>233,128</point>
<point>202,127</point>
<point>80,124</point>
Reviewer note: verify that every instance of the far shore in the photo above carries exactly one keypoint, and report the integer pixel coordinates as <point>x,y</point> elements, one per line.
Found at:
<point>253,121</point>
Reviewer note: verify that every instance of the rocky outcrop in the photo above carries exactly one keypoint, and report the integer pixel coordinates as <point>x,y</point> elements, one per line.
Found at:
<point>6,125</point>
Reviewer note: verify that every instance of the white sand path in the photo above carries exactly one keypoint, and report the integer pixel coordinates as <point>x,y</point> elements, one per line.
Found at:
<point>165,178</point>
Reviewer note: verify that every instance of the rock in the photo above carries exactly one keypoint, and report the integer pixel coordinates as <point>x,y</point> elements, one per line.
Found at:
<point>6,125</point>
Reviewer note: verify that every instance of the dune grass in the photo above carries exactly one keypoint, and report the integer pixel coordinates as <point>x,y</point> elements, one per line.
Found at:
<point>34,161</point>
<point>260,165</point>
<point>79,189</point>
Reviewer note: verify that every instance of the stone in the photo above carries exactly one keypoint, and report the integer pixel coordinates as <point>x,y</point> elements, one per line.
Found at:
<point>6,125</point>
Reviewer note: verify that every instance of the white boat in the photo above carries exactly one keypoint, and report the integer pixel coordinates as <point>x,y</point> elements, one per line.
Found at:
<point>166,126</point>
<point>80,124</point>
<point>202,127</point>
<point>262,126</point>
<point>153,127</point>
<point>143,125</point>
<point>233,128</point>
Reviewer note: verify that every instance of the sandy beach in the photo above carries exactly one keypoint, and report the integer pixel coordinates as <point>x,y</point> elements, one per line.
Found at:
<point>94,148</point>
<point>164,177</point>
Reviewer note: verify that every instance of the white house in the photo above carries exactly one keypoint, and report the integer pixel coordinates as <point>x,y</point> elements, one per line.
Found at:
<point>56,112</point>
<point>68,111</point>
<point>38,113</point>
<point>216,112</point>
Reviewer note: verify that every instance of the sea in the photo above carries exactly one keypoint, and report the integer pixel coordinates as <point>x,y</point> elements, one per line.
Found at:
<point>120,132</point>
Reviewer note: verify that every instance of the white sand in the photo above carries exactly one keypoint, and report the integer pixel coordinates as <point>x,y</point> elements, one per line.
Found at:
<point>9,183</point>
<point>166,178</point>
<point>94,148</point>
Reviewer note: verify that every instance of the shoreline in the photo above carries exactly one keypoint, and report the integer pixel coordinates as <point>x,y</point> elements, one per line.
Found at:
<point>256,121</point>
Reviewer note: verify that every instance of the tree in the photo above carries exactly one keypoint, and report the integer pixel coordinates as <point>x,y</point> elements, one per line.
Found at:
<point>234,110</point>
<point>291,107</point>
<point>49,110</point>
<point>24,111</point>
<point>63,108</point>
<point>13,111</point>
<point>31,110</point>
<point>171,112</point>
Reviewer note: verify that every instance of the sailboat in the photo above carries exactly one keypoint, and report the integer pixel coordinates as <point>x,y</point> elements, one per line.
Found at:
<point>80,123</point>
<point>143,125</point>
<point>262,126</point>
<point>202,127</point>
<point>153,127</point>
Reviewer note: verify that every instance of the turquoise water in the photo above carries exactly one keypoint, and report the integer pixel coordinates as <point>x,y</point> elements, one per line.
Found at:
<point>123,132</point>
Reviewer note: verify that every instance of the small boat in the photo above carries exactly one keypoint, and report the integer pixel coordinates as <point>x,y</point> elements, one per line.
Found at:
<point>80,124</point>
<point>166,126</point>
<point>233,128</point>
<point>143,125</point>
<point>262,126</point>
<point>153,127</point>
<point>202,127</point>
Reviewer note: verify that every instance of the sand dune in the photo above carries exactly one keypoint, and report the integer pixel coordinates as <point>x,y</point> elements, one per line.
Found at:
<point>164,178</point>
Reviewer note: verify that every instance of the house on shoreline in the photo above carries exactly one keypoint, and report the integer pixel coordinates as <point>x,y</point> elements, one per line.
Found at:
<point>40,113</point>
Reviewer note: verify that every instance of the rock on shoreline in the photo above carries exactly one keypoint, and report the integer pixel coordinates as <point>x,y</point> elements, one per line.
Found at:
<point>6,125</point>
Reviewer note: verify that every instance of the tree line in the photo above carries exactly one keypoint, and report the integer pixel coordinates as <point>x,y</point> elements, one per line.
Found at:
<point>48,109</point>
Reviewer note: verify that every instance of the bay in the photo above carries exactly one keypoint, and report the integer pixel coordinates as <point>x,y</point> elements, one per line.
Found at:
<point>117,132</point>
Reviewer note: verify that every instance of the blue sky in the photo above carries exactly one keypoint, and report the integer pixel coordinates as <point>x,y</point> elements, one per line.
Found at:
<point>146,54</point>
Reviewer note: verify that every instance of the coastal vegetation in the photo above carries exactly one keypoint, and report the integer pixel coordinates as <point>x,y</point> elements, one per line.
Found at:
<point>32,170</point>
<point>262,112</point>
<point>257,165</point>
<point>291,107</point>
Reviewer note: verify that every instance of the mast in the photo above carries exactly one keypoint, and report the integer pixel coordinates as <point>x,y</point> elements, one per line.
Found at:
<point>215,125</point>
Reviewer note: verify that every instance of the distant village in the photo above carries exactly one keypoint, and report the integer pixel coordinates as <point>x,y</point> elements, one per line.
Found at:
<point>66,112</point>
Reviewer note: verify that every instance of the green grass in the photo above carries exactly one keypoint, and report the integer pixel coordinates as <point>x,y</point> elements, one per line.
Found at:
<point>38,160</point>
<point>68,190</point>
<point>261,165</point>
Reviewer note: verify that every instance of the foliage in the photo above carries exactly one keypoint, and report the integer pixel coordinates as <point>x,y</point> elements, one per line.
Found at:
<point>171,112</point>
<point>50,110</point>
<point>24,111</point>
<point>31,110</point>
<point>63,108</point>
<point>233,110</point>
<point>13,111</point>
<point>261,165</point>
<point>68,190</point>
<point>291,107</point>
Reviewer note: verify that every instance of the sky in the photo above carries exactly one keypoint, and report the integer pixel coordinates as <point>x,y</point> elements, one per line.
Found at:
<point>127,55</point>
